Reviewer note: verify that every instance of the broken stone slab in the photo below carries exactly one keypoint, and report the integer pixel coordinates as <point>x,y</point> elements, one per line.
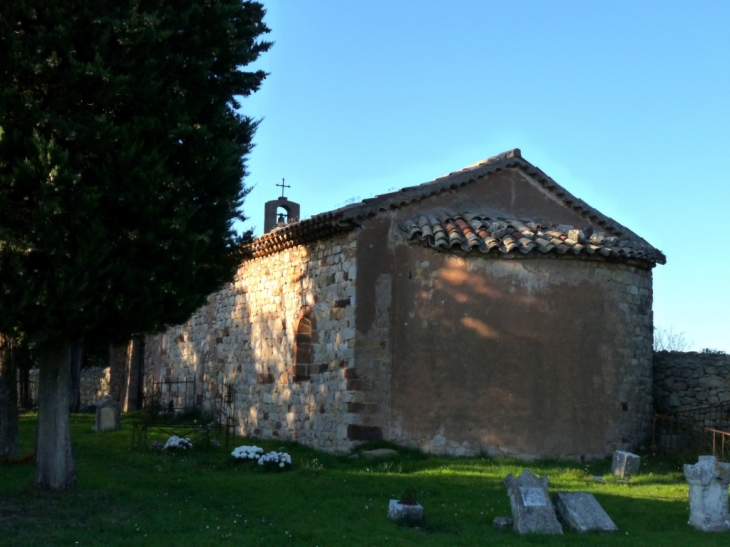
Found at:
<point>107,415</point>
<point>405,513</point>
<point>625,464</point>
<point>581,512</point>
<point>708,490</point>
<point>379,453</point>
<point>532,511</point>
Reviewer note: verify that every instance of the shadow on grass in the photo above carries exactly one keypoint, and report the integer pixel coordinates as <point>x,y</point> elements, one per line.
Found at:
<point>200,497</point>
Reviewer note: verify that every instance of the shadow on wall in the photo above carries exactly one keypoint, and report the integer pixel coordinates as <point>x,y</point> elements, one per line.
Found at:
<point>514,351</point>
<point>246,336</point>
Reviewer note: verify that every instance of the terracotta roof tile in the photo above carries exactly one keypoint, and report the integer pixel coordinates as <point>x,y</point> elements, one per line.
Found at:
<point>474,232</point>
<point>486,237</point>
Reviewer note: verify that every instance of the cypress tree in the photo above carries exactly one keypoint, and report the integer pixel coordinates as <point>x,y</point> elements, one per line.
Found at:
<point>122,156</point>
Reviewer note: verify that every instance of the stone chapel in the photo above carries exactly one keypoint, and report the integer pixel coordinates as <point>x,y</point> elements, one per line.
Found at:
<point>487,311</point>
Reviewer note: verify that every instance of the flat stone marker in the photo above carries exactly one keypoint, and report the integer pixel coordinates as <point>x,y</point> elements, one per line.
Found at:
<point>379,453</point>
<point>581,512</point>
<point>107,415</point>
<point>708,488</point>
<point>625,464</point>
<point>532,511</point>
<point>400,512</point>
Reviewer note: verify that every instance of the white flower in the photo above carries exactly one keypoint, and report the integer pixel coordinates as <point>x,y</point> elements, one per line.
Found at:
<point>275,459</point>
<point>247,452</point>
<point>175,442</point>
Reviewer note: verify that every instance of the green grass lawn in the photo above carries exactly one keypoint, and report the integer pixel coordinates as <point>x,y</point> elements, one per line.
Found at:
<point>130,497</point>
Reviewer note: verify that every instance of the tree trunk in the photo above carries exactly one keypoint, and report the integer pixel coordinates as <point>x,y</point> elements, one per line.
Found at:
<point>54,468</point>
<point>77,353</point>
<point>8,400</point>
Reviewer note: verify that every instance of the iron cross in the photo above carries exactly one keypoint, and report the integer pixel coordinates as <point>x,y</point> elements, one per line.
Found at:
<point>283,186</point>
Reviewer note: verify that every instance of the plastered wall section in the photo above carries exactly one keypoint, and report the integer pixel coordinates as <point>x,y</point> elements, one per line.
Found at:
<point>245,337</point>
<point>689,380</point>
<point>524,357</point>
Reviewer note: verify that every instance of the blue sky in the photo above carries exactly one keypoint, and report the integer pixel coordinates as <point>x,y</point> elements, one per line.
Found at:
<point>626,104</point>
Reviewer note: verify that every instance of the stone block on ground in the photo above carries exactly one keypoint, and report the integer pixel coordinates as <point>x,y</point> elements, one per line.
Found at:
<point>379,453</point>
<point>581,512</point>
<point>625,464</point>
<point>107,415</point>
<point>532,511</point>
<point>502,523</point>
<point>708,494</point>
<point>402,513</point>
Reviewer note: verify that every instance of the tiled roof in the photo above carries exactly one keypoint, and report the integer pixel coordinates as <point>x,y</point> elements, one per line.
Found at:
<point>475,232</point>
<point>299,233</point>
<point>350,216</point>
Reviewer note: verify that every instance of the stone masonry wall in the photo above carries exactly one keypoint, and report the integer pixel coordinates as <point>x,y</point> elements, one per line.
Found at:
<point>94,384</point>
<point>688,380</point>
<point>633,290</point>
<point>246,337</point>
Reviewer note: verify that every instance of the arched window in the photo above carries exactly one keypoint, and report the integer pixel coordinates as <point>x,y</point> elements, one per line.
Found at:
<point>303,352</point>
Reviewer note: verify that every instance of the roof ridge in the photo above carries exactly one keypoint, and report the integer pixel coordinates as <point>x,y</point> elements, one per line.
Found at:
<point>351,215</point>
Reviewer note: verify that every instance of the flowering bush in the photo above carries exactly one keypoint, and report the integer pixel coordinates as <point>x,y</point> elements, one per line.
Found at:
<point>178,443</point>
<point>275,461</point>
<point>247,453</point>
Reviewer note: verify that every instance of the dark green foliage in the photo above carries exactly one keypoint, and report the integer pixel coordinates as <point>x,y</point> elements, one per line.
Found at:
<point>408,497</point>
<point>121,160</point>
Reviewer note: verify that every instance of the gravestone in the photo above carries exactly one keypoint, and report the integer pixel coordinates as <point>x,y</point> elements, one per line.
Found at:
<point>625,464</point>
<point>708,489</point>
<point>405,513</point>
<point>532,511</point>
<point>107,415</point>
<point>581,512</point>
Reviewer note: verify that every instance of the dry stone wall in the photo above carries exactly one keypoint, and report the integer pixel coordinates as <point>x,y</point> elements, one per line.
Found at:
<point>245,336</point>
<point>689,380</point>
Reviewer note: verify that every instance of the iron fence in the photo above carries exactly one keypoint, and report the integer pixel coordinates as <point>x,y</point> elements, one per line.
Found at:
<point>703,430</point>
<point>714,417</point>
<point>27,399</point>
<point>227,409</point>
<point>172,395</point>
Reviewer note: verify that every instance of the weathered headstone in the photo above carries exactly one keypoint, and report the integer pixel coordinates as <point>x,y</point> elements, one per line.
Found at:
<point>581,512</point>
<point>625,464</point>
<point>532,511</point>
<point>405,513</point>
<point>107,415</point>
<point>708,489</point>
